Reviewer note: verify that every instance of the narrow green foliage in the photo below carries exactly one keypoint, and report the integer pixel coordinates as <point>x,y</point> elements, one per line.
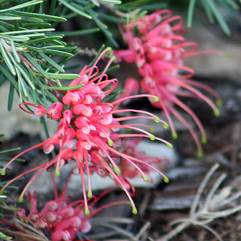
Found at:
<point>4,237</point>
<point>190,12</point>
<point>45,126</point>
<point>64,88</point>
<point>30,51</point>
<point>220,19</point>
<point>213,10</point>
<point>10,97</point>
<point>77,8</point>
<point>80,32</point>
<point>133,5</point>
<point>95,11</point>
<point>21,6</point>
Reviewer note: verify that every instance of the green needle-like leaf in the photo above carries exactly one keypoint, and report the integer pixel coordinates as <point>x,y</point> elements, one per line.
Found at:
<point>51,62</point>
<point>80,32</point>
<point>75,8</point>
<point>23,5</point>
<point>62,76</point>
<point>220,18</point>
<point>10,150</point>
<point>6,58</point>
<point>64,88</point>
<point>190,12</point>
<point>10,97</point>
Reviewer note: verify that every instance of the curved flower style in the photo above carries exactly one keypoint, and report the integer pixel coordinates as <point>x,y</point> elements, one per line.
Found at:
<point>157,46</point>
<point>89,129</point>
<point>129,171</point>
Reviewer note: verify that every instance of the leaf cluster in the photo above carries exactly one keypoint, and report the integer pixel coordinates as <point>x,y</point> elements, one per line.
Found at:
<point>32,56</point>
<point>213,10</point>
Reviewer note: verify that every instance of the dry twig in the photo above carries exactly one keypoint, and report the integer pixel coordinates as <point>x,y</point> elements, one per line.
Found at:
<point>216,204</point>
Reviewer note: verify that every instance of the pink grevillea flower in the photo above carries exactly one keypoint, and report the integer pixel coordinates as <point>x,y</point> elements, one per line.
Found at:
<point>62,218</point>
<point>157,45</point>
<point>89,129</point>
<point>59,216</point>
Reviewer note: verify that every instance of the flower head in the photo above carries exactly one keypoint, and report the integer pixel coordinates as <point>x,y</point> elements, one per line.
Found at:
<point>157,45</point>
<point>59,216</point>
<point>89,130</point>
<point>62,218</point>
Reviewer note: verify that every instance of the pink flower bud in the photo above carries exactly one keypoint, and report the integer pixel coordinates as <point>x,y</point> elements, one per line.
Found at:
<point>71,97</point>
<point>83,144</point>
<point>51,217</point>
<point>106,108</point>
<point>55,111</point>
<point>82,109</point>
<point>48,147</point>
<point>75,222</point>
<point>41,224</point>
<point>106,119</point>
<point>67,115</point>
<point>67,154</point>
<point>67,212</point>
<point>40,110</point>
<point>88,99</point>
<point>21,213</point>
<point>85,227</point>
<point>52,206</point>
<point>66,236</point>
<point>60,235</point>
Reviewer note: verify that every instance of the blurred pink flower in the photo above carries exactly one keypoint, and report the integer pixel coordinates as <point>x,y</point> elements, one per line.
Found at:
<point>157,46</point>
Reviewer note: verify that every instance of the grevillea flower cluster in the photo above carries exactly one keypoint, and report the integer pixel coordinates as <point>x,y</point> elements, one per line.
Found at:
<point>62,218</point>
<point>157,45</point>
<point>90,131</point>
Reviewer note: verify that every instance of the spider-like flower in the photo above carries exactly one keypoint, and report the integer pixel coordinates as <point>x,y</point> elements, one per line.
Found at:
<point>89,129</point>
<point>62,218</point>
<point>157,45</point>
